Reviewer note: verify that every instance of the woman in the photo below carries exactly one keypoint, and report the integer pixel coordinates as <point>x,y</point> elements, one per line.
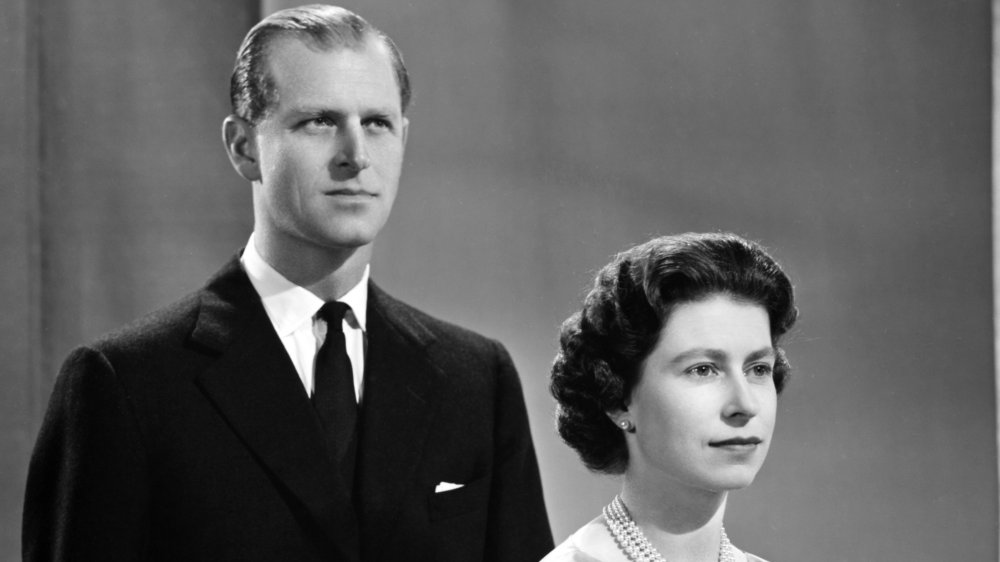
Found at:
<point>669,377</point>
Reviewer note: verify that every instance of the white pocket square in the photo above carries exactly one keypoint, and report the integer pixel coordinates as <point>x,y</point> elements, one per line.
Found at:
<point>446,486</point>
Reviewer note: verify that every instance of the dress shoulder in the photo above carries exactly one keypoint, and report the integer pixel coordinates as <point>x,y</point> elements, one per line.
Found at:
<point>752,558</point>
<point>578,547</point>
<point>568,551</point>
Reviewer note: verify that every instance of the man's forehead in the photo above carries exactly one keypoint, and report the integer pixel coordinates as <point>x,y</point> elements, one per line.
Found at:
<point>286,47</point>
<point>292,60</point>
<point>320,43</point>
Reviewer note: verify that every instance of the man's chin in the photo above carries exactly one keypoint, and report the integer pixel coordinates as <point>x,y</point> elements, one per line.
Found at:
<point>348,236</point>
<point>351,242</point>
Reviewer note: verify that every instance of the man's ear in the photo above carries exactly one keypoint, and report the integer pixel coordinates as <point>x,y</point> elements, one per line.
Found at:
<point>241,146</point>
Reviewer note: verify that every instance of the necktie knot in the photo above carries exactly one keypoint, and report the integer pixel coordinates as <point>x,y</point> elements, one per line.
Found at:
<point>333,314</point>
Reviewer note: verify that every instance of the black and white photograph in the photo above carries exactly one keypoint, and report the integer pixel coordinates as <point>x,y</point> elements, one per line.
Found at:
<point>499,280</point>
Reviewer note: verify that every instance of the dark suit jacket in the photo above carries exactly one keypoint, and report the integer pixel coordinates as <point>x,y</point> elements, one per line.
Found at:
<point>188,436</point>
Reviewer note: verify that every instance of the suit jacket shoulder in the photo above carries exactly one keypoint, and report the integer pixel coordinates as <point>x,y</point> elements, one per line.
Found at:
<point>425,328</point>
<point>208,315</point>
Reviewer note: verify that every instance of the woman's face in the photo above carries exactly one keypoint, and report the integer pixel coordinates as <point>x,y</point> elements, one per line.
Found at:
<point>705,401</point>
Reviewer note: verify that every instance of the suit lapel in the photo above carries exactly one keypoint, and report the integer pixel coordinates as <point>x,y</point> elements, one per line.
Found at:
<point>256,389</point>
<point>400,400</point>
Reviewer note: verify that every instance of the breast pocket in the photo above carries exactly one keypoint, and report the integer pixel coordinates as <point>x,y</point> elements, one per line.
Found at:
<point>470,497</point>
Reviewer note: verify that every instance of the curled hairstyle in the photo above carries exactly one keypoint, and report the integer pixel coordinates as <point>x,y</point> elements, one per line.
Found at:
<point>603,346</point>
<point>252,91</point>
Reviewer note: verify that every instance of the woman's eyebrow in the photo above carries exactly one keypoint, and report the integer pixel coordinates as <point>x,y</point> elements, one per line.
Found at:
<point>719,355</point>
<point>762,353</point>
<point>714,354</point>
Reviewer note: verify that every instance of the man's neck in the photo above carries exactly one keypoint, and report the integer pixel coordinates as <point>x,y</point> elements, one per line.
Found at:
<point>328,273</point>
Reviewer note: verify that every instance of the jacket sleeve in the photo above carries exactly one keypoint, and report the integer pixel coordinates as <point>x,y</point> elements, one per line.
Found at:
<point>518,528</point>
<point>87,492</point>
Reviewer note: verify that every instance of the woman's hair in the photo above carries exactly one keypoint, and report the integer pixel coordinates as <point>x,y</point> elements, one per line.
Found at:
<point>603,346</point>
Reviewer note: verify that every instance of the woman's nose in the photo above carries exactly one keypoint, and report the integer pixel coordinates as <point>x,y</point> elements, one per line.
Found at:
<point>741,401</point>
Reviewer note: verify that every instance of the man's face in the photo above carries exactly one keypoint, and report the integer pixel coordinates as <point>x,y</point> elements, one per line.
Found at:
<point>330,149</point>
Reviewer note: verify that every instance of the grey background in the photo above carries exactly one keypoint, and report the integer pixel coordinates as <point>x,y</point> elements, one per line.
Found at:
<point>850,137</point>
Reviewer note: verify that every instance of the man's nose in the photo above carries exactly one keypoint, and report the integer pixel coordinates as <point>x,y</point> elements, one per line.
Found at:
<point>352,152</point>
<point>741,402</point>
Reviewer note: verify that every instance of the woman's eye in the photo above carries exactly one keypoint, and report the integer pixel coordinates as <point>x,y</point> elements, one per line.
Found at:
<point>702,370</point>
<point>761,370</point>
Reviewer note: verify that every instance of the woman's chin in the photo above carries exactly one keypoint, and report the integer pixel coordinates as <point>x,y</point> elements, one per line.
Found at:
<point>731,479</point>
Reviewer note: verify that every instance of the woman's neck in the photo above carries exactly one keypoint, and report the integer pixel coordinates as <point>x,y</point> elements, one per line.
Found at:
<point>683,523</point>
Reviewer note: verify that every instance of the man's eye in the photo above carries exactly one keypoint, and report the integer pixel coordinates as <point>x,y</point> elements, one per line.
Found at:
<point>378,123</point>
<point>319,122</point>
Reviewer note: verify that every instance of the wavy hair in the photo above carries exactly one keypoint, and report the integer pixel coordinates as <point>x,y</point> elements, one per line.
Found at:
<point>603,346</point>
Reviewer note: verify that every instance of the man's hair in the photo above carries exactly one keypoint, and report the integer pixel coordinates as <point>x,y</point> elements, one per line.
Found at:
<point>252,90</point>
<point>603,346</point>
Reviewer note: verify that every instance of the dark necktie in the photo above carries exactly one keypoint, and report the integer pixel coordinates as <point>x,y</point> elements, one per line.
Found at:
<point>333,393</point>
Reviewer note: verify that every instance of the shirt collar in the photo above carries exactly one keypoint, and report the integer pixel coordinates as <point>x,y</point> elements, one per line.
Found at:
<point>290,306</point>
<point>357,299</point>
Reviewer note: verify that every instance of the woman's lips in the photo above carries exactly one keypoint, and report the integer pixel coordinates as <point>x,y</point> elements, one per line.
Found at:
<point>737,443</point>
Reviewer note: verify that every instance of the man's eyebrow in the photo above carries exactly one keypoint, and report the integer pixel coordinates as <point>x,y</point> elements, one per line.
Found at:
<point>315,110</point>
<point>320,111</point>
<point>383,112</point>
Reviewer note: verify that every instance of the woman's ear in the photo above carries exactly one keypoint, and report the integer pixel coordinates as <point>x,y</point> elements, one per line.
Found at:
<point>622,419</point>
<point>240,139</point>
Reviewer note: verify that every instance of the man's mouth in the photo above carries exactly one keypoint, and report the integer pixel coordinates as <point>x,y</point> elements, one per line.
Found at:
<point>350,193</point>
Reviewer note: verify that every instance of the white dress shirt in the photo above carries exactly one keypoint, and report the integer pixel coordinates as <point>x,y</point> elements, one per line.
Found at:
<point>292,311</point>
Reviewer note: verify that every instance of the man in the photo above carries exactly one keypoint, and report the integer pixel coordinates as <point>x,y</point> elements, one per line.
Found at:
<point>252,421</point>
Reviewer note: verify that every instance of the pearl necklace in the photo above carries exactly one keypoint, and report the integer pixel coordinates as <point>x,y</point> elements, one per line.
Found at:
<point>634,543</point>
